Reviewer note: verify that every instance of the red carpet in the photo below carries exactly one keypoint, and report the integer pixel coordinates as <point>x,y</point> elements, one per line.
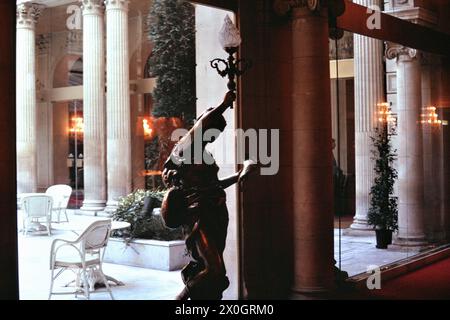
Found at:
<point>430,282</point>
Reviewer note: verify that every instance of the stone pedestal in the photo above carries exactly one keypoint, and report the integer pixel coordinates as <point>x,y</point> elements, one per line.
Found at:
<point>368,53</point>
<point>118,103</point>
<point>94,106</point>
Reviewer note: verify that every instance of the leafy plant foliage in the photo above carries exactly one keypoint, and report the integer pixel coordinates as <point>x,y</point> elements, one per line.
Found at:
<point>172,32</point>
<point>137,209</point>
<point>383,211</point>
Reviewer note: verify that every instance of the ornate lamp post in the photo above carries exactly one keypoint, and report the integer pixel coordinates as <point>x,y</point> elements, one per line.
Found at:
<point>230,39</point>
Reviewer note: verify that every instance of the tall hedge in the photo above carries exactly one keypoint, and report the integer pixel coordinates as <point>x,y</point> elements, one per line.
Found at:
<point>172,32</point>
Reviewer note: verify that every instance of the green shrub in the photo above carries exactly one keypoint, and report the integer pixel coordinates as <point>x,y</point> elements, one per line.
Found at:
<point>137,209</point>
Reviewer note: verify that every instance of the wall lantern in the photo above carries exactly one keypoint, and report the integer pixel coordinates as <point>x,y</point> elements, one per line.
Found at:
<point>148,131</point>
<point>386,117</point>
<point>429,117</point>
<point>77,125</point>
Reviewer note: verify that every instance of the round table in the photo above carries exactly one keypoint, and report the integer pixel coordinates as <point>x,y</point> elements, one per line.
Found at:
<point>116,225</point>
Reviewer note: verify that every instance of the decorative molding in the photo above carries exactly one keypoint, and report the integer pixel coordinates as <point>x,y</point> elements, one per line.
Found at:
<point>117,5</point>
<point>395,51</point>
<point>345,47</point>
<point>395,4</point>
<point>39,86</point>
<point>27,14</point>
<point>283,7</point>
<point>416,15</point>
<point>94,7</point>
<point>74,42</point>
<point>43,43</point>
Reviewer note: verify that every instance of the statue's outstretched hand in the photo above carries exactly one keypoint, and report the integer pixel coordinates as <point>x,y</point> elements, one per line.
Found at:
<point>249,166</point>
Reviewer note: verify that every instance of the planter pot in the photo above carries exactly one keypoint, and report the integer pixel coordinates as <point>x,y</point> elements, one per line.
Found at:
<point>384,238</point>
<point>152,254</point>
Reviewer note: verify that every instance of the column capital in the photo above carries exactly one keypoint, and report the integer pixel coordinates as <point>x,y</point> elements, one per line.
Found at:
<point>397,51</point>
<point>283,7</point>
<point>94,7</point>
<point>27,14</point>
<point>117,5</point>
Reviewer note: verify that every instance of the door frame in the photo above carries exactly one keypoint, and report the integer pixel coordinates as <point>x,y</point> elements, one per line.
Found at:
<point>9,278</point>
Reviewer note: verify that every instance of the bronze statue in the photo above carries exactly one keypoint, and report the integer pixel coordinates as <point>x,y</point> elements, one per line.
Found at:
<point>196,200</point>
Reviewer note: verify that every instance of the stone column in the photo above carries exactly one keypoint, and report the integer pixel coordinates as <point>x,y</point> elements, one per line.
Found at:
<point>446,173</point>
<point>94,106</point>
<point>368,59</point>
<point>408,143</point>
<point>27,15</point>
<point>311,147</point>
<point>118,102</point>
<point>44,115</point>
<point>432,152</point>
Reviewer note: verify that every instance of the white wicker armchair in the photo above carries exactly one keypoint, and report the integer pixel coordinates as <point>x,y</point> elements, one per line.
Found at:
<point>61,194</point>
<point>35,208</point>
<point>85,259</point>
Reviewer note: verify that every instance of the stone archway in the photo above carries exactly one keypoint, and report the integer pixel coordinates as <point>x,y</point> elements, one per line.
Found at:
<point>138,111</point>
<point>67,73</point>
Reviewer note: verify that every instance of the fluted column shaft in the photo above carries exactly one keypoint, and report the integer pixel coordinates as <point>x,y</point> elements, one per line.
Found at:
<point>94,106</point>
<point>27,15</point>
<point>312,152</point>
<point>409,147</point>
<point>432,153</point>
<point>118,102</point>
<point>368,59</point>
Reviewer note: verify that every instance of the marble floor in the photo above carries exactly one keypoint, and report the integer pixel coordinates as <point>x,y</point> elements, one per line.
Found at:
<point>358,253</point>
<point>34,272</point>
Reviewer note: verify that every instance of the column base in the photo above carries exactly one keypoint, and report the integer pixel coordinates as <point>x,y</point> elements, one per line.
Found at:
<point>93,205</point>
<point>323,285</point>
<point>410,243</point>
<point>111,206</point>
<point>361,225</point>
<point>358,232</point>
<point>437,236</point>
<point>80,212</point>
<point>296,292</point>
<point>104,214</point>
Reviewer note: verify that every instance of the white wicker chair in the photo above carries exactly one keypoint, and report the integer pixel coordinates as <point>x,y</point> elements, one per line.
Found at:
<point>35,208</point>
<point>61,194</point>
<point>85,260</point>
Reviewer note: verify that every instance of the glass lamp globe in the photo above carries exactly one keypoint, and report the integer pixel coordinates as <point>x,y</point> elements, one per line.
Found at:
<point>229,36</point>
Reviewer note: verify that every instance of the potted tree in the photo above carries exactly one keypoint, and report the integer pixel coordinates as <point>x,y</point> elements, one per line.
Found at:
<point>383,210</point>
